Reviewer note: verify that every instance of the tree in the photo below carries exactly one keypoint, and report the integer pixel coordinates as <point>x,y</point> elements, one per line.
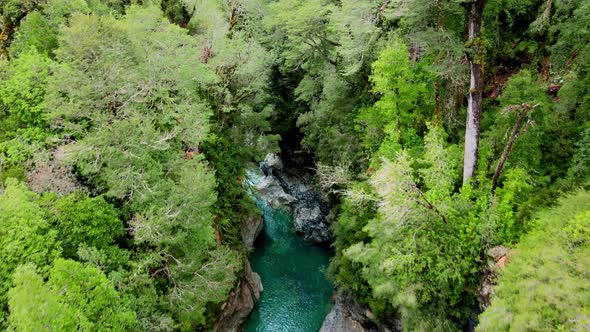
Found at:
<point>76,297</point>
<point>39,28</point>
<point>12,11</point>
<point>139,125</point>
<point>411,256</point>
<point>476,57</point>
<point>22,89</point>
<point>23,127</point>
<point>544,286</point>
<point>524,108</point>
<point>301,26</point>
<point>25,235</point>
<point>398,119</point>
<point>82,221</point>
<point>33,307</point>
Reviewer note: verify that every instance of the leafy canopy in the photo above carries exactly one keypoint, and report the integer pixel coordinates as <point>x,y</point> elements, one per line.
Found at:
<point>76,297</point>
<point>544,286</point>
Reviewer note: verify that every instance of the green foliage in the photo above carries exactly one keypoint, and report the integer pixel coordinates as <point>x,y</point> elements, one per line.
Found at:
<point>35,31</point>
<point>157,123</point>
<point>40,28</point>
<point>579,170</point>
<point>420,252</point>
<point>15,9</point>
<point>21,147</point>
<point>139,125</point>
<point>25,234</point>
<point>327,127</point>
<point>398,118</point>
<point>23,124</point>
<point>22,89</point>
<point>241,99</point>
<point>82,221</point>
<point>34,307</point>
<point>76,297</point>
<point>571,53</point>
<point>353,214</point>
<point>232,202</point>
<point>131,99</point>
<point>504,216</point>
<point>523,93</point>
<point>302,28</point>
<point>571,40</point>
<point>507,29</point>
<point>403,260</point>
<point>358,27</point>
<point>544,286</point>
<point>330,47</point>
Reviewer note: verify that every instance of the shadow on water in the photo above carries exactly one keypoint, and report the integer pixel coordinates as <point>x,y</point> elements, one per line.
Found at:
<point>297,293</point>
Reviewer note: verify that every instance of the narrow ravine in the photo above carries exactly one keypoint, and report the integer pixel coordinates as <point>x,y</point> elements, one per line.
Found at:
<point>297,293</point>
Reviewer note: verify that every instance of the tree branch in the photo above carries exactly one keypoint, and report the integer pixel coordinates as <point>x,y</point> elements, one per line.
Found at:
<point>427,203</point>
<point>524,112</point>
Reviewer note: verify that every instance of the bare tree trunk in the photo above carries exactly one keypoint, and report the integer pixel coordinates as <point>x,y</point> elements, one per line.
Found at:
<point>525,110</point>
<point>474,14</point>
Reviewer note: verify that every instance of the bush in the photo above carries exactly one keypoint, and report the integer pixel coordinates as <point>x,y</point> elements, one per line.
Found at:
<point>545,284</point>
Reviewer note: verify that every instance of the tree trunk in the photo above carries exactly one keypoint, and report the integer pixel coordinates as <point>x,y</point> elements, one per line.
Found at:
<point>474,14</point>
<point>5,37</point>
<point>525,109</point>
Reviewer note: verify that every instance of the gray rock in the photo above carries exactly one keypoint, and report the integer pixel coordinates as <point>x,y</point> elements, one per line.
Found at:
<point>270,189</point>
<point>293,190</point>
<point>348,315</point>
<point>240,303</point>
<point>340,320</point>
<point>497,252</point>
<point>250,228</point>
<point>273,160</point>
<point>310,212</point>
<point>243,298</point>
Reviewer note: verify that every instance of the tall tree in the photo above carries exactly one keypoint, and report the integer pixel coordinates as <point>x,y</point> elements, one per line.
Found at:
<point>474,21</point>
<point>136,124</point>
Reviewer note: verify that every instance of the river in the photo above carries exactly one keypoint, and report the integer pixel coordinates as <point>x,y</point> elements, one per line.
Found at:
<point>297,293</point>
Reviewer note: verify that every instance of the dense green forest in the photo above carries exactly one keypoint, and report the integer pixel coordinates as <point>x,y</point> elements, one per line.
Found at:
<point>439,130</point>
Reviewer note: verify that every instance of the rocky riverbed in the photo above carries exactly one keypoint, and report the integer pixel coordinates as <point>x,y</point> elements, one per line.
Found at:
<point>294,190</point>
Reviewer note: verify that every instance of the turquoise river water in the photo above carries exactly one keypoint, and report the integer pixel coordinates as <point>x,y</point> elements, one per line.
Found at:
<point>297,293</point>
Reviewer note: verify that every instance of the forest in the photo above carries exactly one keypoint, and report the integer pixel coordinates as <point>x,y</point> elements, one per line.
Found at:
<point>441,132</point>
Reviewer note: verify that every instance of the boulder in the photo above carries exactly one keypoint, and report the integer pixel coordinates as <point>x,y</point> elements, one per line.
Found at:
<point>497,259</point>
<point>273,193</point>
<point>309,221</point>
<point>274,161</point>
